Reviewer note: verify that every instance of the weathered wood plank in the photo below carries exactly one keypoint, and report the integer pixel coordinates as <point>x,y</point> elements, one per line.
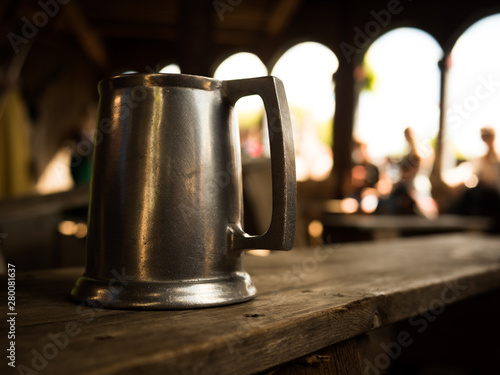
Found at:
<point>308,299</point>
<point>344,358</point>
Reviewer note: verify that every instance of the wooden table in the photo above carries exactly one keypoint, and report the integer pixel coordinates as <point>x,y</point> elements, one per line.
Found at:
<point>309,300</point>
<point>375,227</point>
<point>29,232</point>
<point>30,207</point>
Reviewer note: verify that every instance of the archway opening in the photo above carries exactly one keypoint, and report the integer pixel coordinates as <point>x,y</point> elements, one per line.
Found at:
<point>401,90</point>
<point>306,70</point>
<point>398,120</point>
<point>473,89</point>
<point>249,109</point>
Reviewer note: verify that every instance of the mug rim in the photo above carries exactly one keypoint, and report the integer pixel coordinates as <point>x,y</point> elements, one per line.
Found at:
<point>160,80</point>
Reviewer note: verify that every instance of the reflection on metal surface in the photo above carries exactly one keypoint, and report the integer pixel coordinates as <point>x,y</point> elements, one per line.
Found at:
<point>165,220</point>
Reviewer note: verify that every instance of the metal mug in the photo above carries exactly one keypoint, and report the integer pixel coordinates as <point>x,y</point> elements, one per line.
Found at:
<point>165,216</point>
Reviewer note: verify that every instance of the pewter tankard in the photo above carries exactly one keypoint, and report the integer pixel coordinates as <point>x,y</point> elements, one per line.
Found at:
<point>165,224</point>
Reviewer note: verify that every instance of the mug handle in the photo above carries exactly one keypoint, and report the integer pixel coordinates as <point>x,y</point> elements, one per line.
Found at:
<point>281,232</point>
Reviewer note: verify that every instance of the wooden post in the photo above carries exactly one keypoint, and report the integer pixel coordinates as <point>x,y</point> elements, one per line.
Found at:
<point>196,37</point>
<point>346,98</point>
<point>441,192</point>
<point>444,65</point>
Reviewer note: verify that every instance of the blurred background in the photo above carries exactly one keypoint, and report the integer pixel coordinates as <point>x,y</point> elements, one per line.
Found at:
<point>394,104</point>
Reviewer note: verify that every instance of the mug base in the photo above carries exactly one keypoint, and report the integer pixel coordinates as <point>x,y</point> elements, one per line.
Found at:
<point>164,295</point>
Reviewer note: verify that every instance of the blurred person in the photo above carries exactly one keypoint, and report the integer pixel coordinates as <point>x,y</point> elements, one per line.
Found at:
<point>360,191</point>
<point>81,145</point>
<point>483,199</point>
<point>251,144</point>
<point>15,131</point>
<point>405,199</point>
<point>365,174</point>
<point>386,179</point>
<point>410,164</point>
<point>487,168</point>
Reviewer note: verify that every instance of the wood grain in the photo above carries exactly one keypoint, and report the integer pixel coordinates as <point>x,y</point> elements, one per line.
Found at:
<point>308,300</point>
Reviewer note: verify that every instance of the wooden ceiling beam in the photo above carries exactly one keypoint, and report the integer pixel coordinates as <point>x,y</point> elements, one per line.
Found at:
<point>149,32</point>
<point>88,37</point>
<point>235,38</point>
<point>283,13</point>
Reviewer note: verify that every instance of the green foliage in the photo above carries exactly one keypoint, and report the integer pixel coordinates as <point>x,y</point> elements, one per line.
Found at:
<point>325,132</point>
<point>324,129</point>
<point>250,120</point>
<point>370,79</point>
